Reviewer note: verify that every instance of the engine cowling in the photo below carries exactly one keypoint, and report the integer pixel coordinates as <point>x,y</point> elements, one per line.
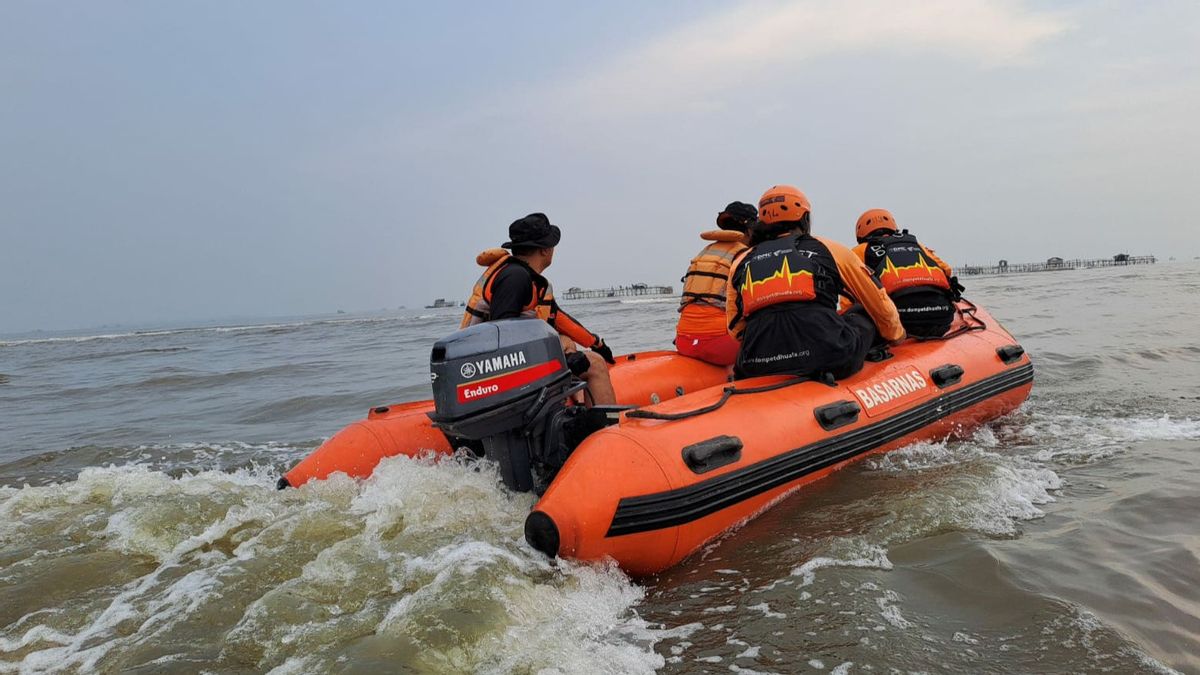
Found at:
<point>500,383</point>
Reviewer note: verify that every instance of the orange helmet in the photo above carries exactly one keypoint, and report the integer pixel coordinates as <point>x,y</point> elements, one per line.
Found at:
<point>782,203</point>
<point>874,219</point>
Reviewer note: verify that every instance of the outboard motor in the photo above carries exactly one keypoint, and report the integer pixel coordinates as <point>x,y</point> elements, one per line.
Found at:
<point>505,383</point>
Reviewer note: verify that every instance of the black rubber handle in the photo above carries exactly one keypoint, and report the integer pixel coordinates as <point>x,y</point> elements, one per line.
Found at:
<point>944,376</point>
<point>837,414</point>
<point>878,354</point>
<point>1010,353</point>
<point>715,452</point>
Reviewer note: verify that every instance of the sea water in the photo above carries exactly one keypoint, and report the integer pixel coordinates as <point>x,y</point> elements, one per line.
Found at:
<point>140,530</point>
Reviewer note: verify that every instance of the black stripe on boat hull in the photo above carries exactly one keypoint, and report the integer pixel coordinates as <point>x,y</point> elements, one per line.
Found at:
<point>676,507</point>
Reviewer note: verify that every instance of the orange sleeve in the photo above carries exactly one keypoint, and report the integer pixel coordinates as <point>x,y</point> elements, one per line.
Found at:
<point>866,289</point>
<point>566,325</point>
<point>734,318</point>
<point>845,302</point>
<point>940,263</point>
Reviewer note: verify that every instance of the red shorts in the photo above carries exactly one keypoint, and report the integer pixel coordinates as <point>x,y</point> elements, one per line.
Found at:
<point>721,350</point>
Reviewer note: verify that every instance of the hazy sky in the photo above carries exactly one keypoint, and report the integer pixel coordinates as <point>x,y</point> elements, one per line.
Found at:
<point>177,160</point>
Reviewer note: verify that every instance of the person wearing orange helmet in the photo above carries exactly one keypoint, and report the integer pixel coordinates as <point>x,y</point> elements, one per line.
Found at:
<point>782,300</point>
<point>701,332</point>
<point>512,286</point>
<point>922,286</point>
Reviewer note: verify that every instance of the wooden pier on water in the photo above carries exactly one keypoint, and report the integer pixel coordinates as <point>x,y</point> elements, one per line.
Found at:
<point>1055,265</point>
<point>576,293</point>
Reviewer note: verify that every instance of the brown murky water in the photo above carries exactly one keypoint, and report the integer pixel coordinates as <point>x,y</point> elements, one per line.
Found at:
<point>140,531</point>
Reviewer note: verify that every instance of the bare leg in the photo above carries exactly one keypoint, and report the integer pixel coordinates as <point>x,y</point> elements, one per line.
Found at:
<point>568,345</point>
<point>598,381</point>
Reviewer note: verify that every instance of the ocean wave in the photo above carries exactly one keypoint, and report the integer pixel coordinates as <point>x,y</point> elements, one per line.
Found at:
<point>171,459</point>
<point>193,380</point>
<point>93,356</point>
<point>1081,439</point>
<point>422,567</point>
<point>968,484</point>
<point>301,406</point>
<point>92,338</point>
<point>241,328</point>
<point>650,301</point>
<point>848,553</point>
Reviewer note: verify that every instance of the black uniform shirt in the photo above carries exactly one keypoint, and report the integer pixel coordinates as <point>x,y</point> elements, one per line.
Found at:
<point>512,290</point>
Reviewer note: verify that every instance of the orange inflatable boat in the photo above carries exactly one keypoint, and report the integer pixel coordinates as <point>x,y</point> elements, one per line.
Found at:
<point>406,428</point>
<point>688,455</point>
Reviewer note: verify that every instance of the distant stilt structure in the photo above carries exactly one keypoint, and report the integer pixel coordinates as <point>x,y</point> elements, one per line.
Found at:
<point>1055,265</point>
<point>577,293</point>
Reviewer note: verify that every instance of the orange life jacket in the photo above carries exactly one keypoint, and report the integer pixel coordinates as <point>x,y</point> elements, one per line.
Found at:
<point>708,275</point>
<point>900,263</point>
<point>541,306</point>
<point>479,305</point>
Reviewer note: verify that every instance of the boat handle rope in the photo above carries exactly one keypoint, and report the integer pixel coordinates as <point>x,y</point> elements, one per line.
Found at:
<point>727,393</point>
<point>968,315</point>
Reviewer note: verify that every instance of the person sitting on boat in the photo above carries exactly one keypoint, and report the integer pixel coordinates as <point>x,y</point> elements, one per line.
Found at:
<point>782,300</point>
<point>513,286</point>
<point>701,332</point>
<point>922,286</point>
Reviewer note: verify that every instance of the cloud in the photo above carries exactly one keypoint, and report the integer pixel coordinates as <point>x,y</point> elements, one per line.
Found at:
<point>760,43</point>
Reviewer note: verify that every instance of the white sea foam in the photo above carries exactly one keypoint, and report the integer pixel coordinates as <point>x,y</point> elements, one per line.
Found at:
<point>91,338</point>
<point>1100,429</point>
<point>982,489</point>
<point>966,638</point>
<point>750,653</point>
<point>1154,665</point>
<point>1084,439</point>
<point>856,555</point>
<point>735,668</point>
<point>766,610</point>
<point>890,610</point>
<point>915,457</point>
<point>309,570</point>
<point>973,486</point>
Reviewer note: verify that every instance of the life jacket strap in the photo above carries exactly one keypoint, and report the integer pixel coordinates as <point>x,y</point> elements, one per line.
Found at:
<point>702,273</point>
<point>712,296</point>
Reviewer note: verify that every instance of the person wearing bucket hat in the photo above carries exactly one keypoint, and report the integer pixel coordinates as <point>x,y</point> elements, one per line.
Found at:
<point>512,286</point>
<point>534,231</point>
<point>701,332</point>
<point>783,295</point>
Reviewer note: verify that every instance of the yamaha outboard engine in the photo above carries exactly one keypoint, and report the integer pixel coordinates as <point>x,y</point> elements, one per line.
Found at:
<point>504,383</point>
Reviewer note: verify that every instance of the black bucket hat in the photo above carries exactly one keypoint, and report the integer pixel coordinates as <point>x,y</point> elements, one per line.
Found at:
<point>533,230</point>
<point>737,216</point>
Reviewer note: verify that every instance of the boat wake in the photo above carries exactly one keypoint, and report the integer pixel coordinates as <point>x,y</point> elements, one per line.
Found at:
<point>424,565</point>
<point>857,558</point>
<point>420,566</point>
